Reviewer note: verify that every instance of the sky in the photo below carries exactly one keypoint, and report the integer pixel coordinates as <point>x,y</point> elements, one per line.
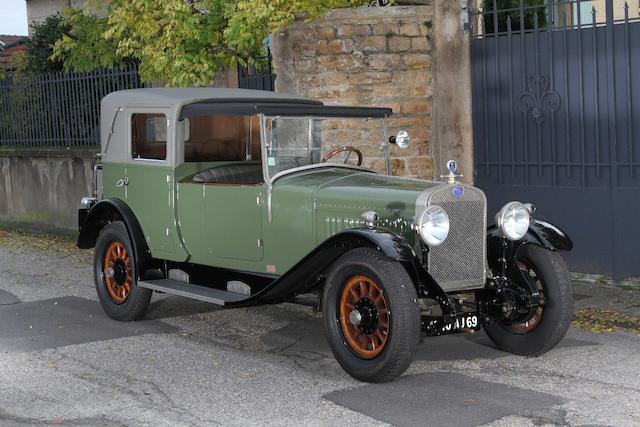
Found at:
<point>13,17</point>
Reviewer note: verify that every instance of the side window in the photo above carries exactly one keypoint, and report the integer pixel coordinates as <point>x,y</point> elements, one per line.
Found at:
<point>222,138</point>
<point>149,136</point>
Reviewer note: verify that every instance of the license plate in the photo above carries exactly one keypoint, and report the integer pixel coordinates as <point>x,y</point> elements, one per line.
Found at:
<point>464,322</point>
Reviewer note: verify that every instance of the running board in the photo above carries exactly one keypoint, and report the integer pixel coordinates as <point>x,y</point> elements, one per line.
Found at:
<point>188,290</point>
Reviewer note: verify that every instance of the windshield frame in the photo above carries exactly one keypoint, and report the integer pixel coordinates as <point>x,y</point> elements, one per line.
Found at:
<point>269,180</point>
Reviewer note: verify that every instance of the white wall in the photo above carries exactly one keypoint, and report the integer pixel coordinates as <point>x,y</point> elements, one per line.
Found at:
<point>38,10</point>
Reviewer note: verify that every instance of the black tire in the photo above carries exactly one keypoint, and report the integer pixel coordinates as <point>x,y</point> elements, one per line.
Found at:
<point>555,316</point>
<point>135,305</point>
<point>403,322</point>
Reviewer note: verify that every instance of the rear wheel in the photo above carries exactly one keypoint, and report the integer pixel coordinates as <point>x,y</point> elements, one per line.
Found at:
<point>115,277</point>
<point>543,328</point>
<point>371,315</point>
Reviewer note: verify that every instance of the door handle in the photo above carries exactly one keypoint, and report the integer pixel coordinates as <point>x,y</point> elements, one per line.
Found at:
<point>122,182</point>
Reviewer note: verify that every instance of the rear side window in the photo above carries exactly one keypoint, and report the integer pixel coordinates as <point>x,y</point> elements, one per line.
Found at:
<point>149,136</point>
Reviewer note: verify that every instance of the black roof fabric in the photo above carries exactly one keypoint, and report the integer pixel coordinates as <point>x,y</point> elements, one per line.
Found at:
<point>301,108</point>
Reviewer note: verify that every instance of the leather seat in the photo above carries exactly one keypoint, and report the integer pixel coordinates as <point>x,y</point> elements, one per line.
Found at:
<point>248,173</point>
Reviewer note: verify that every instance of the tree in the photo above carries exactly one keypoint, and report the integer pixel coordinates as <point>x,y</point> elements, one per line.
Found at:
<point>178,42</point>
<point>511,8</point>
<point>39,46</point>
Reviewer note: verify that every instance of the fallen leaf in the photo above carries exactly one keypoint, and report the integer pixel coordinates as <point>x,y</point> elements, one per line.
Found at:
<point>599,320</point>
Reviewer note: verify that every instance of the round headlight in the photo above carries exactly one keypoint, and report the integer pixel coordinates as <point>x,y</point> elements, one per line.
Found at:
<point>513,220</point>
<point>433,225</point>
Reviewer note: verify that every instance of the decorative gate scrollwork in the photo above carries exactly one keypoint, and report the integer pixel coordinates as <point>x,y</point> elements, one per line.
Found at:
<point>537,97</point>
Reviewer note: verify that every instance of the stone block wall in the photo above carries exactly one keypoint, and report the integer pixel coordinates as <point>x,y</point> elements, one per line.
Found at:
<point>385,57</point>
<point>377,57</point>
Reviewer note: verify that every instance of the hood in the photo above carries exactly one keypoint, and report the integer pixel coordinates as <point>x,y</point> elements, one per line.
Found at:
<point>333,186</point>
<point>340,196</point>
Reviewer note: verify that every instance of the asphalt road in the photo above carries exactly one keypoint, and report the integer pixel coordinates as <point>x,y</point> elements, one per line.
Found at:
<point>62,361</point>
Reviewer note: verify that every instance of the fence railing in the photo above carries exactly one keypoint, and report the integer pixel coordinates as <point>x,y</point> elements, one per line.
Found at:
<point>58,109</point>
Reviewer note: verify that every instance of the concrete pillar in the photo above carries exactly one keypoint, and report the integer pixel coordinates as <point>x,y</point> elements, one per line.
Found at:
<point>452,127</point>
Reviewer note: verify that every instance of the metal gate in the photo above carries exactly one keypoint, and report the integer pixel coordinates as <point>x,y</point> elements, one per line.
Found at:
<point>250,77</point>
<point>556,112</point>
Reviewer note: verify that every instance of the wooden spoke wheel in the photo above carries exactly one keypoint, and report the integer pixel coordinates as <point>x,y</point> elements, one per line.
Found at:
<point>531,323</point>
<point>362,290</point>
<point>364,316</point>
<point>117,272</point>
<point>540,328</point>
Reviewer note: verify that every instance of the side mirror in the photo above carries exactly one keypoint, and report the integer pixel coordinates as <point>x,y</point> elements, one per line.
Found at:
<point>401,139</point>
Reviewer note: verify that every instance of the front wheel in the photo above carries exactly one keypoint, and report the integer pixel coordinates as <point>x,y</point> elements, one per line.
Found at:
<point>548,324</point>
<point>371,315</point>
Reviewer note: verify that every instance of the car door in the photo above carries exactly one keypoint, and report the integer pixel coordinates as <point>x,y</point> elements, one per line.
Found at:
<point>233,221</point>
<point>149,180</point>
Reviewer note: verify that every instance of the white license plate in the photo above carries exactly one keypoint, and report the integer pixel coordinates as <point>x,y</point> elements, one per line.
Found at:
<point>467,321</point>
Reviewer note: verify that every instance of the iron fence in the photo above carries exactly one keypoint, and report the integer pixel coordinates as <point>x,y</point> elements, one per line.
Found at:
<point>58,109</point>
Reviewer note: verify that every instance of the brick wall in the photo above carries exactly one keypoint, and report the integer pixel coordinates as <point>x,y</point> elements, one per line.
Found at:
<point>368,56</point>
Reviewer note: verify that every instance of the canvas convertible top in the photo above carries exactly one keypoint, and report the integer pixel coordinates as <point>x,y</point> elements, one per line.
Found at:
<point>192,102</point>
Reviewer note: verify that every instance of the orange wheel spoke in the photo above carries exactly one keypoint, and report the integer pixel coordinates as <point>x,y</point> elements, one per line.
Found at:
<point>354,332</point>
<point>363,289</point>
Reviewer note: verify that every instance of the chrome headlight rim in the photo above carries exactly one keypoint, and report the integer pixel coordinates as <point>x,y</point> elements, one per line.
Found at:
<point>513,220</point>
<point>433,225</point>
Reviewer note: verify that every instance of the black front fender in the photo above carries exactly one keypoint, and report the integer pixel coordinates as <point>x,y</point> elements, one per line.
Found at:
<point>305,274</point>
<point>541,233</point>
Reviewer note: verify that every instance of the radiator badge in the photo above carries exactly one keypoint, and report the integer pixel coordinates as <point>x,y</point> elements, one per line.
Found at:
<point>458,191</point>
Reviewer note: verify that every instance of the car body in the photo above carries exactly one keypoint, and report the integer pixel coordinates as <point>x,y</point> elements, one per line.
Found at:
<point>234,197</point>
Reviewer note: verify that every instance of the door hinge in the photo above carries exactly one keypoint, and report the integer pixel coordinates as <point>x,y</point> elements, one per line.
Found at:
<point>259,243</point>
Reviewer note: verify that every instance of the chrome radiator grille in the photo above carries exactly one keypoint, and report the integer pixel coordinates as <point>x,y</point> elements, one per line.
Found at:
<point>459,263</point>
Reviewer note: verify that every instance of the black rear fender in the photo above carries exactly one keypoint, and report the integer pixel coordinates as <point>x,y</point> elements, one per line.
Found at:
<point>107,211</point>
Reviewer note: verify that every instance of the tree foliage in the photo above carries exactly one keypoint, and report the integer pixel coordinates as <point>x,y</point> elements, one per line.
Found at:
<point>178,42</point>
<point>531,9</point>
<point>39,45</point>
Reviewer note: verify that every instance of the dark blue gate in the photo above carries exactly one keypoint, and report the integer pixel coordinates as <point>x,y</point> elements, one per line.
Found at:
<point>261,78</point>
<point>556,112</point>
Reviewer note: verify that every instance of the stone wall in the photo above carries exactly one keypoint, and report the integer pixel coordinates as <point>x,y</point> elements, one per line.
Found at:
<point>42,190</point>
<point>383,57</point>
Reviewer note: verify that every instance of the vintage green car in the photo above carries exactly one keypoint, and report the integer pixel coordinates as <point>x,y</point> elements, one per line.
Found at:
<point>240,197</point>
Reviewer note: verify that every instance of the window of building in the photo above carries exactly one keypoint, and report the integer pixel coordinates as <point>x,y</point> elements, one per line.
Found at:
<point>149,136</point>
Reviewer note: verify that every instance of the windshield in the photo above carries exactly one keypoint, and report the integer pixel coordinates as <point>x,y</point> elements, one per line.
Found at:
<point>293,142</point>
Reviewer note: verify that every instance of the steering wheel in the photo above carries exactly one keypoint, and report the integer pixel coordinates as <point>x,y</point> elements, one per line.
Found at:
<point>339,150</point>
